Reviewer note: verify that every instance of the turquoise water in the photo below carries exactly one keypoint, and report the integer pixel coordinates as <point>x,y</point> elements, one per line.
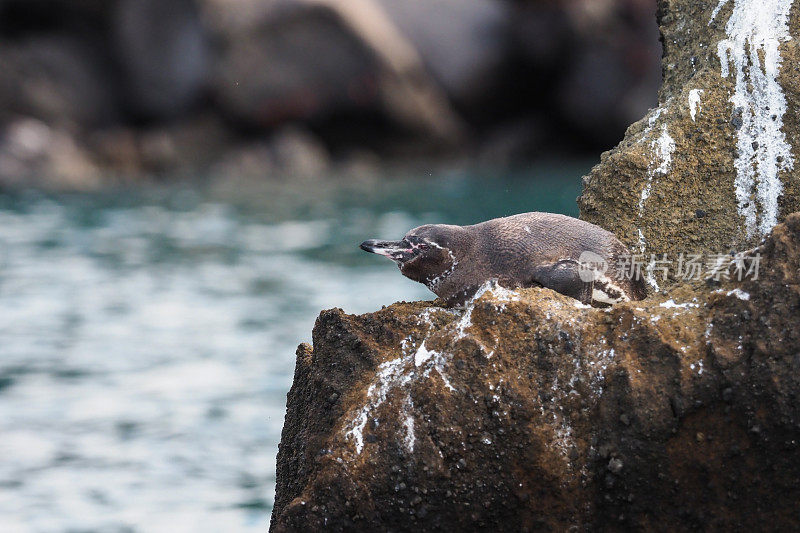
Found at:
<point>147,336</point>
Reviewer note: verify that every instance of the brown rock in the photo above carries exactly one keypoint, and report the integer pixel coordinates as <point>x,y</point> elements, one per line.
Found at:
<point>529,412</point>
<point>714,167</point>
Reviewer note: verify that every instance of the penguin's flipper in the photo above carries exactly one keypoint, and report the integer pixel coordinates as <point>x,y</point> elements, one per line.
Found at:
<point>563,276</point>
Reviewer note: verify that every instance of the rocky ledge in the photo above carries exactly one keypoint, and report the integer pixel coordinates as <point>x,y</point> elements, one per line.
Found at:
<point>529,411</point>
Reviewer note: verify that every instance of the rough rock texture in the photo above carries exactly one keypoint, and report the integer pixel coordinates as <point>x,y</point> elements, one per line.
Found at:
<point>528,412</point>
<point>715,165</point>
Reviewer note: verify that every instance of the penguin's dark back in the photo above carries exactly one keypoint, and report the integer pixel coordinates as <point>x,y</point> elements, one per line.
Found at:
<point>546,236</point>
<point>511,243</point>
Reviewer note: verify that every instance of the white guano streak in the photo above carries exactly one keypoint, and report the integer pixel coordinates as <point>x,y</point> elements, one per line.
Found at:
<point>694,102</point>
<point>755,31</point>
<point>663,148</point>
<point>716,10</point>
<point>390,374</point>
<point>398,373</point>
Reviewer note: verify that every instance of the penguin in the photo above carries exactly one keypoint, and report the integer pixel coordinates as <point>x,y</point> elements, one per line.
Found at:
<point>570,256</point>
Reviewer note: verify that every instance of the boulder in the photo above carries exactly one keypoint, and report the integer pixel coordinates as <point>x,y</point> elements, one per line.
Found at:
<point>713,167</point>
<point>593,66</point>
<point>162,54</point>
<point>462,43</point>
<point>529,411</point>
<point>317,60</point>
<point>96,62</point>
<point>57,80</point>
<point>33,153</point>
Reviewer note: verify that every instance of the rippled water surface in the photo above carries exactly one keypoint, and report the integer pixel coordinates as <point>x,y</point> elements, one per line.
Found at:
<point>147,337</point>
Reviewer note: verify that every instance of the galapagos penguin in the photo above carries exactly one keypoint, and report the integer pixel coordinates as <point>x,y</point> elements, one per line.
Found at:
<point>562,253</point>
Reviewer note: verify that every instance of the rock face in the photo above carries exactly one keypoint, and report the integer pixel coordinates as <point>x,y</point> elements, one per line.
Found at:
<point>715,166</point>
<point>528,411</point>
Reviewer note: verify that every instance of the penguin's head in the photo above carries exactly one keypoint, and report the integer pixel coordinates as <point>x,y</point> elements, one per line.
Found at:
<point>427,254</point>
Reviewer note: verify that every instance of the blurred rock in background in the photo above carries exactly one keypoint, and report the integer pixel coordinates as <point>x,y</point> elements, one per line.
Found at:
<point>139,87</point>
<point>162,56</point>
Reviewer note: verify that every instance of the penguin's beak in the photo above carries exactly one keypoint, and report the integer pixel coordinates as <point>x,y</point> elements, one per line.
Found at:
<point>397,251</point>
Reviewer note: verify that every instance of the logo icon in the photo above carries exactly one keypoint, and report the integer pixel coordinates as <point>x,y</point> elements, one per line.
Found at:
<point>591,266</point>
